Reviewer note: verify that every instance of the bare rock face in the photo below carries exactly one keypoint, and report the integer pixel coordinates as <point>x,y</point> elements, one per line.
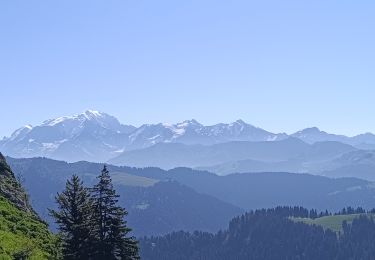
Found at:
<point>11,189</point>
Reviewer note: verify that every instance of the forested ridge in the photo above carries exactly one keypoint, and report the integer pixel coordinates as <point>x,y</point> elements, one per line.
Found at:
<point>90,222</point>
<point>270,234</point>
<point>95,228</point>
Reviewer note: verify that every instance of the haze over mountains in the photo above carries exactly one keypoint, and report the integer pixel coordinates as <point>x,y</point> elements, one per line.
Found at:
<point>162,201</point>
<point>184,193</point>
<point>221,148</point>
<point>314,134</point>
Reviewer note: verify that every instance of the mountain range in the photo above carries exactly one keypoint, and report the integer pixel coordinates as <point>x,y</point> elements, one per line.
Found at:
<point>354,163</point>
<point>170,155</point>
<point>160,201</point>
<point>156,205</point>
<point>99,137</point>
<point>314,134</point>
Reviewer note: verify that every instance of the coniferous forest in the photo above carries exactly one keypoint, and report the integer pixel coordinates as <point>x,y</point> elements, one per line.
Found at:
<point>92,225</point>
<point>269,234</point>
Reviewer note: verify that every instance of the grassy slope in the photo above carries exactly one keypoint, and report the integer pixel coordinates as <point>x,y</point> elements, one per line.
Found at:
<point>329,222</point>
<point>22,234</point>
<point>126,179</point>
<point>132,180</point>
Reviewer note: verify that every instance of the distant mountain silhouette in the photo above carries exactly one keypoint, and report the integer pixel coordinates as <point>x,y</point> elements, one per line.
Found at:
<point>314,134</point>
<point>98,137</point>
<point>291,151</point>
<point>350,163</point>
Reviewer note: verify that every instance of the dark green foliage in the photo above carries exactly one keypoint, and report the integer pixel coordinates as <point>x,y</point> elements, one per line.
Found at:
<point>11,189</point>
<point>111,232</point>
<point>73,218</point>
<point>91,224</point>
<point>351,210</point>
<point>155,210</point>
<point>357,242</point>
<point>268,234</point>
<point>22,234</point>
<point>190,211</point>
<point>169,206</point>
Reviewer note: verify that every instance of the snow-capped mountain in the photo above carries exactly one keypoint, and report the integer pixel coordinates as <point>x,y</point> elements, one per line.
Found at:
<point>91,135</point>
<point>192,132</point>
<point>97,136</point>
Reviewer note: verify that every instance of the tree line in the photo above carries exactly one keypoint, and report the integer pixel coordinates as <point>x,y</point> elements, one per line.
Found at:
<point>92,226</point>
<point>269,234</point>
<point>91,223</point>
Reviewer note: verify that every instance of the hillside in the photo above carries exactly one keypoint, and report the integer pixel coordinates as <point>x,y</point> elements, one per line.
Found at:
<point>264,190</point>
<point>169,206</point>
<point>268,234</point>
<point>152,194</point>
<point>22,233</point>
<point>171,155</point>
<point>155,205</point>
<point>11,189</point>
<point>347,163</point>
<point>333,222</point>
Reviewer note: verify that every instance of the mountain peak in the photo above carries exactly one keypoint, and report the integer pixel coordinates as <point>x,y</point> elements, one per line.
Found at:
<point>313,134</point>
<point>310,130</point>
<point>92,113</point>
<point>86,115</point>
<point>20,132</point>
<point>240,122</point>
<point>189,122</point>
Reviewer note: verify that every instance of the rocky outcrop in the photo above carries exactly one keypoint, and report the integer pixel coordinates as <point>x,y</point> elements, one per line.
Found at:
<point>11,189</point>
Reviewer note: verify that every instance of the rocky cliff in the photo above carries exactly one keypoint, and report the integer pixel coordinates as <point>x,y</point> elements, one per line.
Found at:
<point>11,189</point>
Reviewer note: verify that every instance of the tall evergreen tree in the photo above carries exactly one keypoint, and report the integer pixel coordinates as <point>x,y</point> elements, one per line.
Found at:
<point>73,217</point>
<point>111,231</point>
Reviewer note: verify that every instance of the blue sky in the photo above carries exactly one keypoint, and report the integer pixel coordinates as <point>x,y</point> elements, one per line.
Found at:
<point>280,65</point>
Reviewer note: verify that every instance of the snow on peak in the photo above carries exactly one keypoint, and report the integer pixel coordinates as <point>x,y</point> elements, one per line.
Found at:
<point>177,129</point>
<point>240,121</point>
<point>53,122</point>
<point>188,123</point>
<point>92,113</point>
<point>237,126</point>
<point>87,115</point>
<point>191,122</point>
<point>21,132</point>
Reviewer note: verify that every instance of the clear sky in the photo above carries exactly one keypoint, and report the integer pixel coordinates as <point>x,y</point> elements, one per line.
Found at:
<point>280,65</point>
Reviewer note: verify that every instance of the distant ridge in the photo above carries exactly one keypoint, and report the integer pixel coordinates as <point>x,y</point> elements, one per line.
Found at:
<point>97,136</point>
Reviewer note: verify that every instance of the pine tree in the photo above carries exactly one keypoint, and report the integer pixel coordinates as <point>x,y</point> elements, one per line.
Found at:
<point>111,231</point>
<point>73,217</point>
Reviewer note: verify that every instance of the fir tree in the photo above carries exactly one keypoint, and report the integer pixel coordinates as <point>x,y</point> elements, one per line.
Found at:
<point>73,217</point>
<point>111,231</point>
